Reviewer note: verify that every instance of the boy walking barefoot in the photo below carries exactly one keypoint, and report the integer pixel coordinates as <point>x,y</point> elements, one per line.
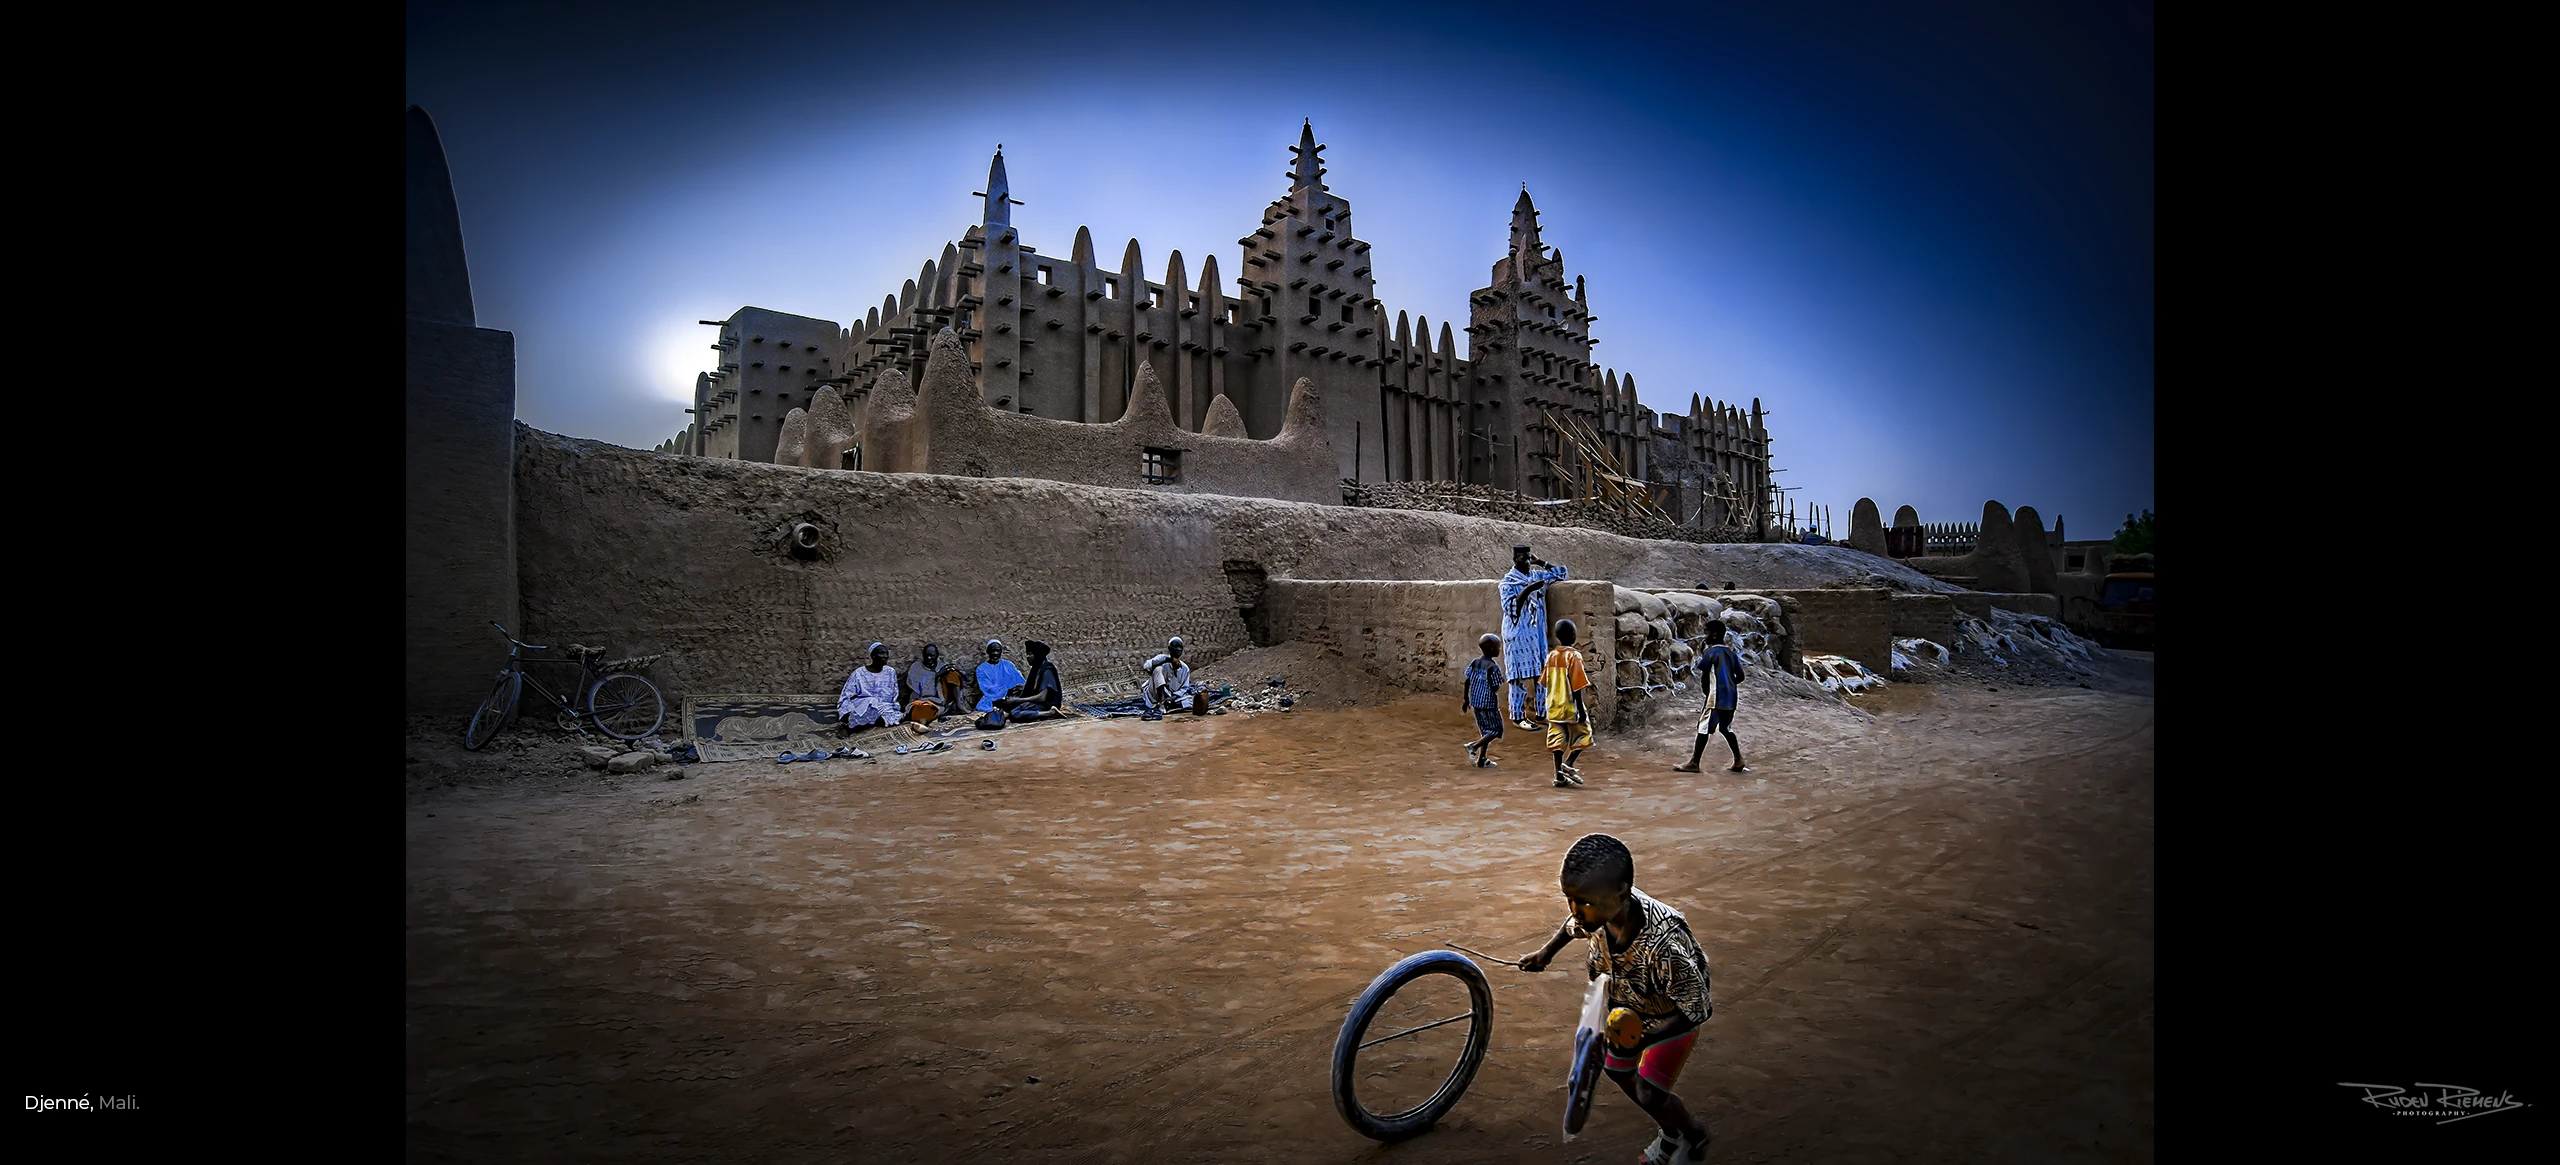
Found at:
<point>1568,715</point>
<point>1484,685</point>
<point>1725,665</point>
<point>1656,970</point>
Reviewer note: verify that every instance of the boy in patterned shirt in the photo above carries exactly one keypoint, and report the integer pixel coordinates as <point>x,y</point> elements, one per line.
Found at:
<point>1484,688</point>
<point>1656,970</point>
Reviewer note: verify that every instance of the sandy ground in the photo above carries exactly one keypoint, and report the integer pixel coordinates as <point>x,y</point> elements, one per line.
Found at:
<point>1930,923</point>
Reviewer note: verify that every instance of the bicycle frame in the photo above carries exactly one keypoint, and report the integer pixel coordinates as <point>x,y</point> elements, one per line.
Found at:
<point>634,709</point>
<point>568,707</point>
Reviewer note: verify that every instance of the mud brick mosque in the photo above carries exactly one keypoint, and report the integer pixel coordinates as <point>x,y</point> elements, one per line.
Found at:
<point>1064,340</point>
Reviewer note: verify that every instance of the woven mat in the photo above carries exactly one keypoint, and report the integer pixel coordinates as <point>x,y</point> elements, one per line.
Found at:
<point>762,726</point>
<point>755,726</point>
<point>1104,691</point>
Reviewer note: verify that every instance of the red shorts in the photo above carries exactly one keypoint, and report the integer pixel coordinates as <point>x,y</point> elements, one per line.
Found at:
<point>1660,1063</point>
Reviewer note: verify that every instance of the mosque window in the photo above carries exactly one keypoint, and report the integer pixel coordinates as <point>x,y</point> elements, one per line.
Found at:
<point>1111,289</point>
<point>1161,466</point>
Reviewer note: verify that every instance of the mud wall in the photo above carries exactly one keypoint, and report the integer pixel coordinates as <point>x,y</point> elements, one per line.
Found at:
<point>1855,622</point>
<point>1930,617</point>
<point>1980,604</point>
<point>946,428</point>
<point>1421,635</point>
<point>644,552</point>
<point>686,555</point>
<point>461,547</point>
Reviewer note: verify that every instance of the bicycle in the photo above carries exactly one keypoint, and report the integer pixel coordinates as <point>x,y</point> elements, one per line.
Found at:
<point>622,705</point>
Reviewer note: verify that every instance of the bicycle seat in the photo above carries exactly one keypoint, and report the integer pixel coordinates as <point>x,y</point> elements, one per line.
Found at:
<point>575,649</point>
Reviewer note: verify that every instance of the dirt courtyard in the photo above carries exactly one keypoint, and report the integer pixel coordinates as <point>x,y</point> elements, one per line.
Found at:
<point>1929,922</point>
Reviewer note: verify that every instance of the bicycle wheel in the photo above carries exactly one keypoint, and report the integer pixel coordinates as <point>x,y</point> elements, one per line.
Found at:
<point>625,706</point>
<point>494,711</point>
<point>1438,1014</point>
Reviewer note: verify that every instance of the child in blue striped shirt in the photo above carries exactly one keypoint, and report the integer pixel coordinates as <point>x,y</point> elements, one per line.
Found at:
<point>1484,684</point>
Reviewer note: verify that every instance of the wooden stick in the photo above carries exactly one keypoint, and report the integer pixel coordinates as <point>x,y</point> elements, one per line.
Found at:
<point>1482,955</point>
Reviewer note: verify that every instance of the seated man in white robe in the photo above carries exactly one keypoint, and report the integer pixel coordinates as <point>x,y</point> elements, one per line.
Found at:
<point>870,694</point>
<point>1168,683</point>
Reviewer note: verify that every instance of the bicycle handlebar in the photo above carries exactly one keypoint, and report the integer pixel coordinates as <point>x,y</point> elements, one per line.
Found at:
<point>518,642</point>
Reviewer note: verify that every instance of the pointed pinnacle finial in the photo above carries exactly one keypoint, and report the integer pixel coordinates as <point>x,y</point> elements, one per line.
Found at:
<point>999,194</point>
<point>1309,169</point>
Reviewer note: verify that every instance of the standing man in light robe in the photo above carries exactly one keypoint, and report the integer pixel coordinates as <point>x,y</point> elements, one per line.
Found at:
<point>1524,626</point>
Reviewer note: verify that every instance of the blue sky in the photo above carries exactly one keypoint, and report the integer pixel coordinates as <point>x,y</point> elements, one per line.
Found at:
<point>1921,235</point>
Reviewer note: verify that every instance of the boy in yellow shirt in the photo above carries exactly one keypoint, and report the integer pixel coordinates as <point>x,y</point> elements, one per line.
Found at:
<point>1568,717</point>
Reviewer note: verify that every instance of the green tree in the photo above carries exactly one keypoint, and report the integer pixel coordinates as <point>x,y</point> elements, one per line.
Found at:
<point>2135,538</point>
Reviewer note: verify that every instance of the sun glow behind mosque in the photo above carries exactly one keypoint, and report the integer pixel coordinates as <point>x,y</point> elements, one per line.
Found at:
<point>677,353</point>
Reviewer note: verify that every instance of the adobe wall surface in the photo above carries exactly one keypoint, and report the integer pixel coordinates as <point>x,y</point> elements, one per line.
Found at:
<point>1930,617</point>
<point>2093,557</point>
<point>650,552</point>
<point>2078,594</point>
<point>1421,635</point>
<point>1866,531</point>
<point>946,428</point>
<point>1996,564</point>
<point>460,454</point>
<point>1856,622</point>
<point>646,552</point>
<point>1980,604</point>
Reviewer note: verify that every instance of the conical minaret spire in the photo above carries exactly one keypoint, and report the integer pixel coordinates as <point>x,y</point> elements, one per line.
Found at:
<point>1524,230</point>
<point>999,195</point>
<point>1309,169</point>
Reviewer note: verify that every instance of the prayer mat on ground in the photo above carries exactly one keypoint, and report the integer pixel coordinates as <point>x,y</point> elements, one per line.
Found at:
<point>733,727</point>
<point>1104,690</point>
<point>1137,705</point>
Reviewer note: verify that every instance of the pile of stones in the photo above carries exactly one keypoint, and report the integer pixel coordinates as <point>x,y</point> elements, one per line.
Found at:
<point>1660,637</point>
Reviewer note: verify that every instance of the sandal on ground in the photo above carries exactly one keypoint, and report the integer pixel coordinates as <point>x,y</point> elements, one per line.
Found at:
<point>1562,783</point>
<point>1684,768</point>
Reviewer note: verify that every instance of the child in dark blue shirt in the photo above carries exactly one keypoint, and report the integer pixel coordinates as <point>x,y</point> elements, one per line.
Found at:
<point>1484,682</point>
<point>1722,665</point>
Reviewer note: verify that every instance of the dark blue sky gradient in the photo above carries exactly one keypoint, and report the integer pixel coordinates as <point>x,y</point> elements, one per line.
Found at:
<point>1922,235</point>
